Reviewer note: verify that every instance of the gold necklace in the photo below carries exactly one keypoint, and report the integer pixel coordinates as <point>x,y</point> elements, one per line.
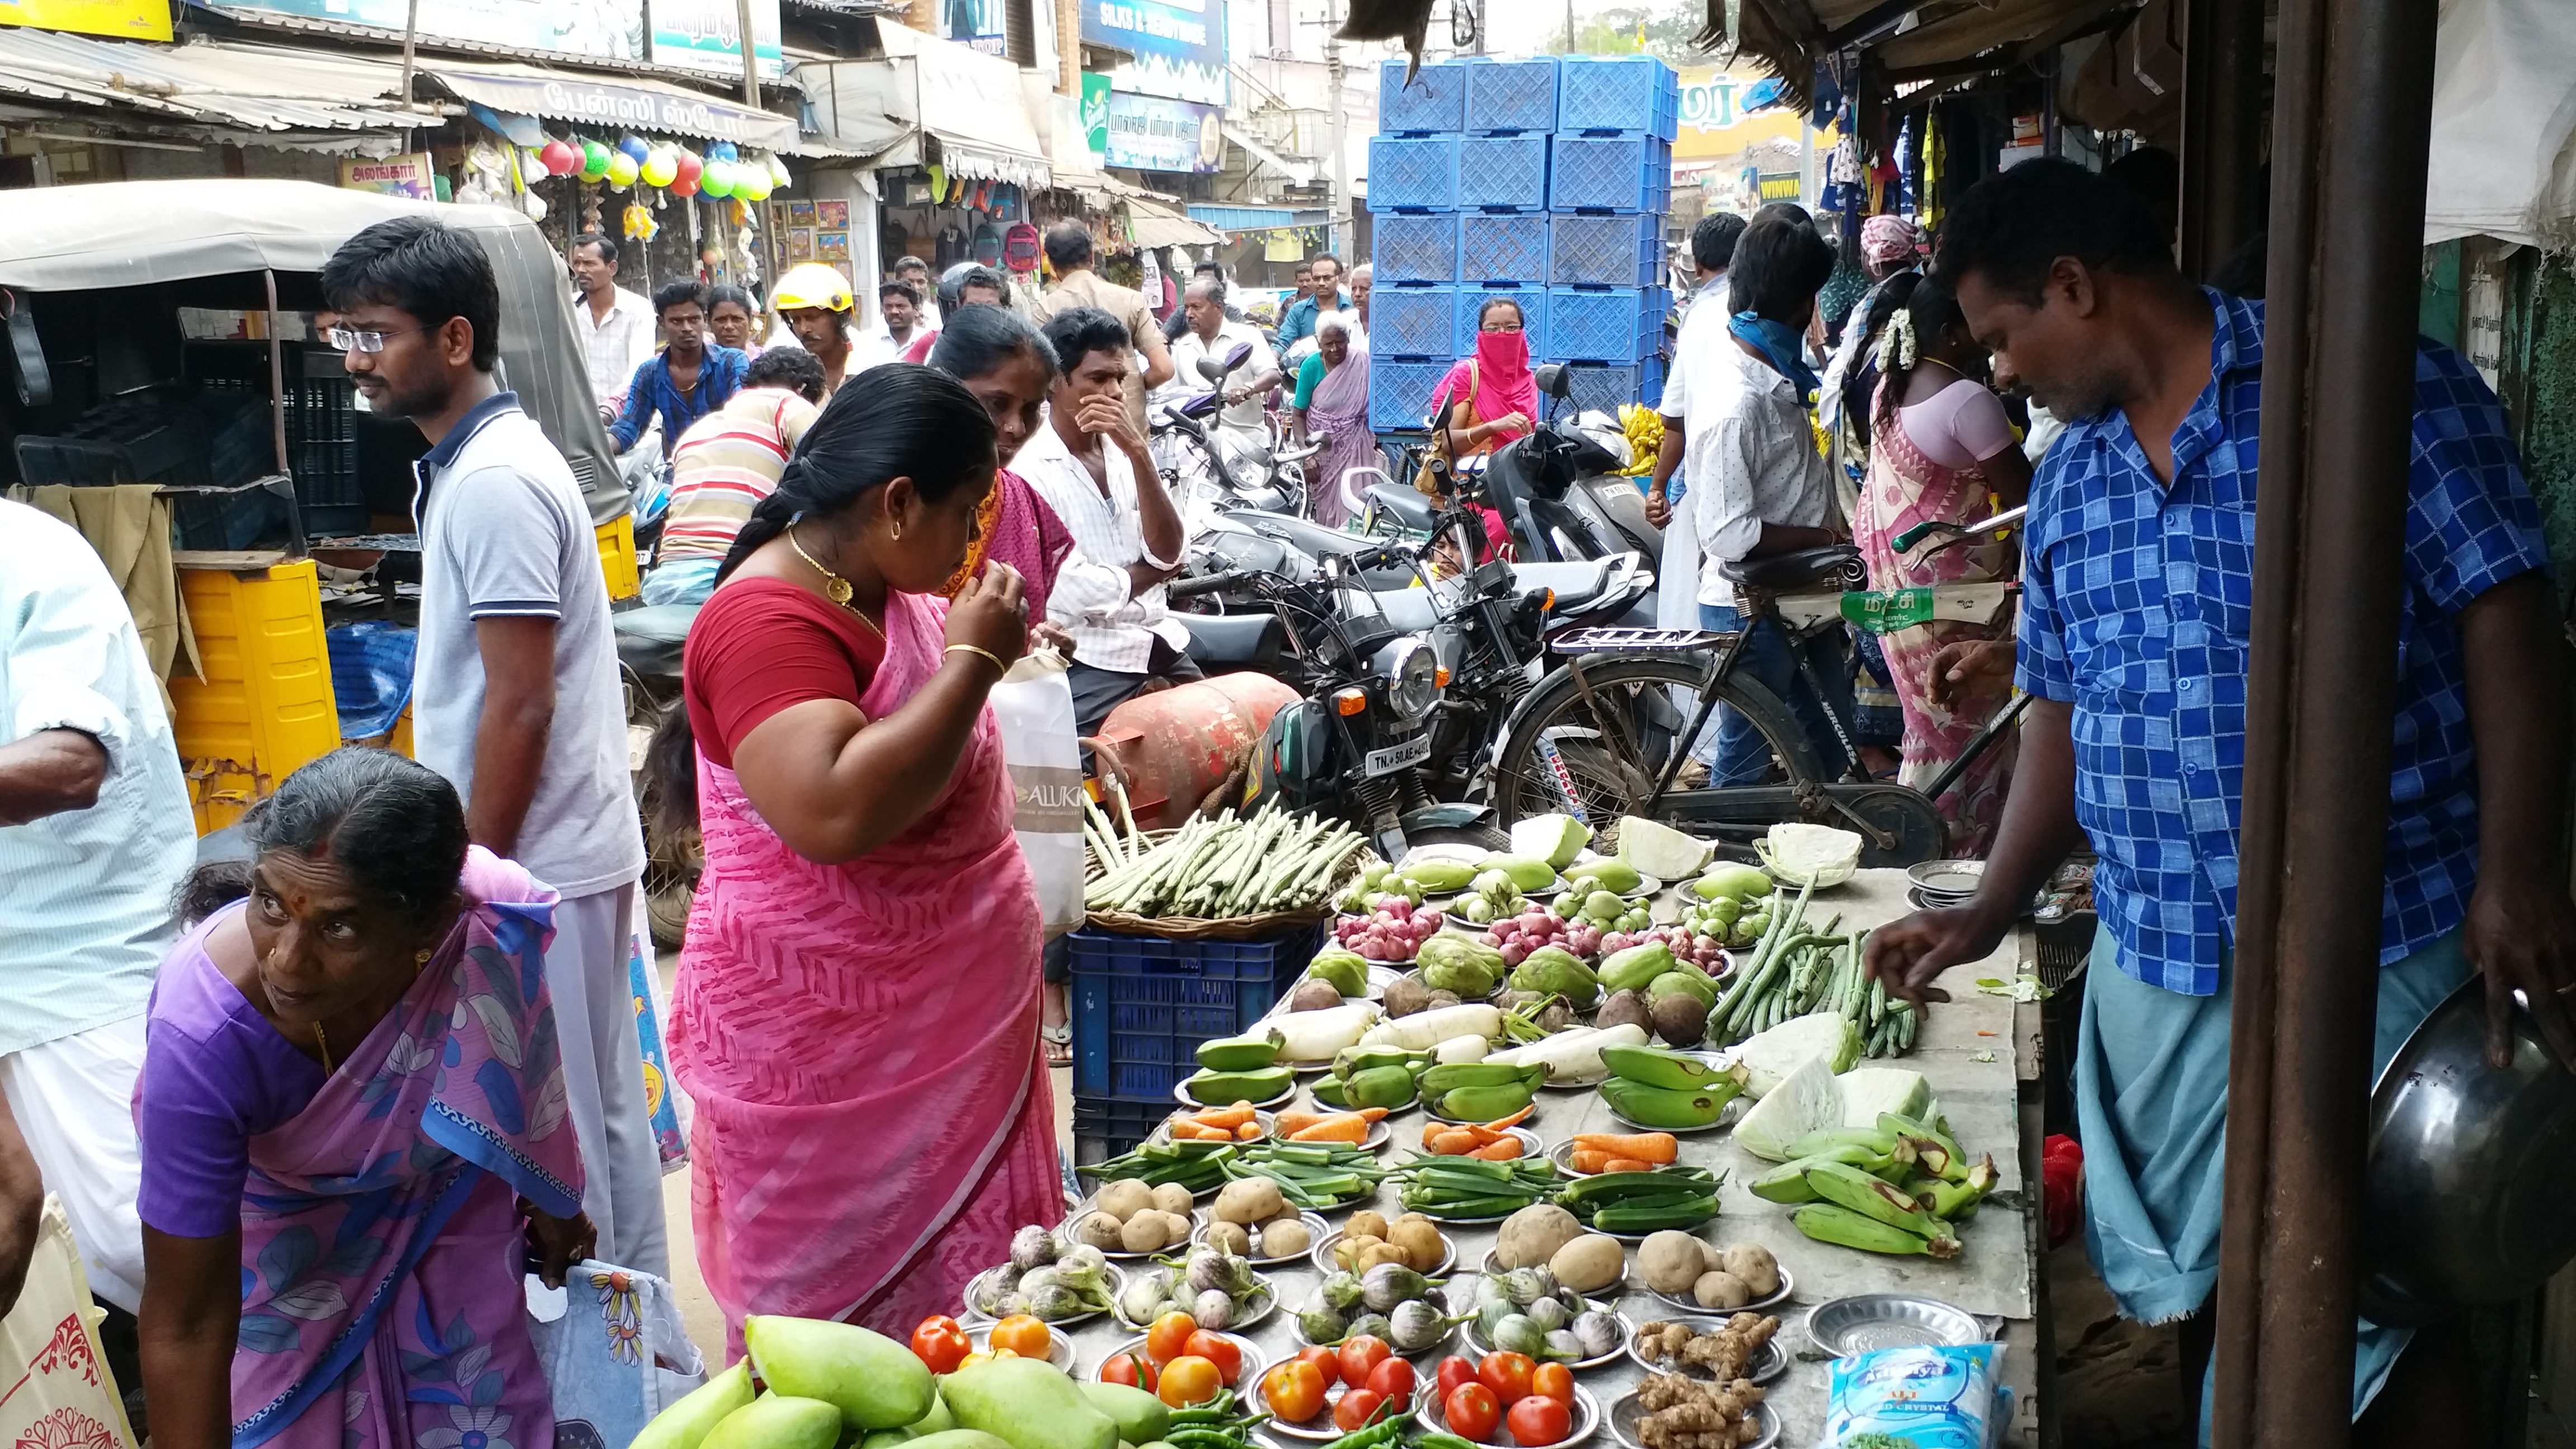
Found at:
<point>835,587</point>
<point>320,1041</point>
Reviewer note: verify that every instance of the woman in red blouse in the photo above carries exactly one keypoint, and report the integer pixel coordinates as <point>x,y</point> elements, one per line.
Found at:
<point>856,1016</point>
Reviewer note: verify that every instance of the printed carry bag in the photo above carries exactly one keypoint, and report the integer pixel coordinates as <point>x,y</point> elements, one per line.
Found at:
<point>1034,706</point>
<point>55,1390</point>
<point>614,1352</point>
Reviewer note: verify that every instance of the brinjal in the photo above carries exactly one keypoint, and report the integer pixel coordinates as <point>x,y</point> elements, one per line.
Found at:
<point>1033,1247</point>
<point>1389,1284</point>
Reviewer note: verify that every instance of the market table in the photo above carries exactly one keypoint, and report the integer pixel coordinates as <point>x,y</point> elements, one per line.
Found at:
<point>1976,1051</point>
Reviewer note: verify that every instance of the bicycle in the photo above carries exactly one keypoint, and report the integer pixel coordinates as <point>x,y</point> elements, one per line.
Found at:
<point>1605,735</point>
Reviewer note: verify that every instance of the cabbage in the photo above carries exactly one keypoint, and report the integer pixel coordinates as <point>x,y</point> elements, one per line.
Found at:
<point>1868,1091</point>
<point>1804,854</point>
<point>1827,1036</point>
<point>1662,851</point>
<point>1809,1099</point>
<point>1551,838</point>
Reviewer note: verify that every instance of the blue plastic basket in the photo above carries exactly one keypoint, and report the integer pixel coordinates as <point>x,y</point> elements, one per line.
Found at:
<point>1434,101</point>
<point>1413,320</point>
<point>1533,302</point>
<point>1104,1127</point>
<point>370,674</point>
<point>1413,173</point>
<point>1628,172</point>
<point>1499,247</point>
<point>1415,247</point>
<point>1511,95</point>
<point>1142,1004</point>
<point>1625,249</point>
<point>1497,173</point>
<point>1618,93</point>
<point>1604,324</point>
<point>1400,389</point>
<point>1607,386</point>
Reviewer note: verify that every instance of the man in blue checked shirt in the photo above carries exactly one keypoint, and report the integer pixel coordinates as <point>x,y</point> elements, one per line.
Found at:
<point>687,380</point>
<point>2136,614</point>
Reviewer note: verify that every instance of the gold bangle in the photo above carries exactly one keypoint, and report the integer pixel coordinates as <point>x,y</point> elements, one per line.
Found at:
<point>998,665</point>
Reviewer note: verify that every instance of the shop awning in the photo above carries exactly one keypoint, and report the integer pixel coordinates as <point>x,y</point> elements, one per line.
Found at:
<point>965,111</point>
<point>233,87</point>
<point>1301,172</point>
<point>1257,218</point>
<point>625,102</point>
<point>1152,224</point>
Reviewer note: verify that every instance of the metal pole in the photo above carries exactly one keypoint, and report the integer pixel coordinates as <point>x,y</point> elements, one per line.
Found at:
<point>411,34</point>
<point>2222,131</point>
<point>750,54</point>
<point>1333,75</point>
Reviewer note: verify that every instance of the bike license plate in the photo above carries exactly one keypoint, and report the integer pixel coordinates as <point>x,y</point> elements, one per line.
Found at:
<point>1396,757</point>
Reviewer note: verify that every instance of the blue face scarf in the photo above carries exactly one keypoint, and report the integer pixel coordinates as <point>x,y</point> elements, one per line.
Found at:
<point>1780,346</point>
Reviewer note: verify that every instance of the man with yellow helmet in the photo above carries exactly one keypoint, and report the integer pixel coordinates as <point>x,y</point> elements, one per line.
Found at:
<point>816,303</point>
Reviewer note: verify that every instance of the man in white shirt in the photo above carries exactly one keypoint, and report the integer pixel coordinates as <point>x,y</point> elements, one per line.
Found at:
<point>1677,575</point>
<point>898,323</point>
<point>1092,469</point>
<point>1758,485</point>
<point>1213,334</point>
<point>616,325</point>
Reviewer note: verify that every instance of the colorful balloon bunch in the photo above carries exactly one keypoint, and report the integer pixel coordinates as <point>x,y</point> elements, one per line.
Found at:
<point>721,172</point>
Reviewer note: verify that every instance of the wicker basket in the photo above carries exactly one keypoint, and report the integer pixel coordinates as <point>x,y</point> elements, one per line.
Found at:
<point>1193,928</point>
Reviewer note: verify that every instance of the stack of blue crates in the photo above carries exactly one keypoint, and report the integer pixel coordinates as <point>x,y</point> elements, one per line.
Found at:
<point>1545,181</point>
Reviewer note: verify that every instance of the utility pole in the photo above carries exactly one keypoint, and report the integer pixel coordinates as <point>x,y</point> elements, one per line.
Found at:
<point>1339,109</point>
<point>1569,27</point>
<point>750,54</point>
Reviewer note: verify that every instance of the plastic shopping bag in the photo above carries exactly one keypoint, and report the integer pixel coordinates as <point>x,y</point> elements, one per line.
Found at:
<point>1034,703</point>
<point>613,1350</point>
<point>58,1390</point>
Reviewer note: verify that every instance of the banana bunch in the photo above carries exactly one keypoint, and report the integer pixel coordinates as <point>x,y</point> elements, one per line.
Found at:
<point>1893,1188</point>
<point>1645,430</point>
<point>1480,1091</point>
<point>1668,1091</point>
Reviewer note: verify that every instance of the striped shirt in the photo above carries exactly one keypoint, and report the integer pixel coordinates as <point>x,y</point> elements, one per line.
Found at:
<point>726,463</point>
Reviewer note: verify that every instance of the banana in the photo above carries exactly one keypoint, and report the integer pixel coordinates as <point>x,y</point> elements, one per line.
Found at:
<point>1484,1104</point>
<point>1388,1087</point>
<point>1953,1201</point>
<point>1788,1184</point>
<point>1842,1183</point>
<point>1931,1156</point>
<point>1956,1169</point>
<point>1828,1223</point>
<point>1670,1070</point>
<point>1661,1107</point>
<point>1819,1143</point>
<point>1449,1077</point>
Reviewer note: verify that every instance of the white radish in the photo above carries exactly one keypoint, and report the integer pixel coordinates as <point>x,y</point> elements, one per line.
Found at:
<point>1424,1030</point>
<point>1318,1036</point>
<point>1461,1049</point>
<point>1571,1055</point>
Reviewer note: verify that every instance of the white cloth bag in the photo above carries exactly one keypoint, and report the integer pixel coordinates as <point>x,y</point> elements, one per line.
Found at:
<point>613,1350</point>
<point>1034,704</point>
<point>49,1349</point>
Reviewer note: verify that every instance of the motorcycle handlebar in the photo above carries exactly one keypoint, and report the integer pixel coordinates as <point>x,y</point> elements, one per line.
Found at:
<point>1204,584</point>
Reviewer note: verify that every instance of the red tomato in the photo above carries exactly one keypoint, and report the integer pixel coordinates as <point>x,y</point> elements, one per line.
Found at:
<point>1540,1420</point>
<point>1553,1381</point>
<point>1361,1356</point>
<point>1169,1338</point>
<point>1472,1411</point>
<point>1508,1375</point>
<point>1392,1380</point>
<point>1188,1381</point>
<point>1456,1369</point>
<point>1358,1409</point>
<point>1219,1350</point>
<point>941,1344</point>
<point>1295,1391</point>
<point>1132,1369</point>
<point>1326,1362</point>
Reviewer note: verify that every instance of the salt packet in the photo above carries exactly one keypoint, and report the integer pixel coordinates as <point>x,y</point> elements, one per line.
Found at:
<point>1931,1397</point>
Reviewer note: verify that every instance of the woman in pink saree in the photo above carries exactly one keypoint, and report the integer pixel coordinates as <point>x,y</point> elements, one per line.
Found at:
<point>856,1016</point>
<point>1941,450</point>
<point>354,1135</point>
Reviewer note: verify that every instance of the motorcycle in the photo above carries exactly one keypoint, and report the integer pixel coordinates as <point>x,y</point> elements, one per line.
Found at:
<point>1560,488</point>
<point>1214,469</point>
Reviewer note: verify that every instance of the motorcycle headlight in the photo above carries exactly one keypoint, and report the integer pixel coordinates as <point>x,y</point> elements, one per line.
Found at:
<point>1413,677</point>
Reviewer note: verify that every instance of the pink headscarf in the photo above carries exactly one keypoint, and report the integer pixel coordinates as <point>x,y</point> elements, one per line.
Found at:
<point>1504,382</point>
<point>1885,240</point>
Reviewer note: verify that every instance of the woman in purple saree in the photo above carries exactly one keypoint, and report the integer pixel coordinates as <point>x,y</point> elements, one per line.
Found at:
<point>355,1142</point>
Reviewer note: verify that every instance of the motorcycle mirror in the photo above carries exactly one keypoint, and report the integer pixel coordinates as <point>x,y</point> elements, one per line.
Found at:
<point>1238,355</point>
<point>1555,381</point>
<point>1211,369</point>
<point>1200,406</point>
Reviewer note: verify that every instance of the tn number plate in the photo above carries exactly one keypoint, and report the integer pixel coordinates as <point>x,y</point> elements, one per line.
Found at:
<point>1395,757</point>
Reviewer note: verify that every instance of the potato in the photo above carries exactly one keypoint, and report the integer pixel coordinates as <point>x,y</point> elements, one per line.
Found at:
<point>1177,1227</point>
<point>1347,1251</point>
<point>1419,1239</point>
<point>1422,1218</point>
<point>1228,1238</point>
<point>1286,1238</point>
<point>1253,1200</point>
<point>1365,1224</point>
<point>1098,1230</point>
<point>1589,1263</point>
<point>1143,1233</point>
<point>1124,1198</point>
<point>1671,1262</point>
<point>1755,1267</point>
<point>1531,1236</point>
<point>1171,1197</point>
<point>1720,1290</point>
<point>1376,1253</point>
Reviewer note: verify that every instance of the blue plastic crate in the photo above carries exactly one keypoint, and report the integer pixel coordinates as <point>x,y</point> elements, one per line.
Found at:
<point>1603,324</point>
<point>1618,93</point>
<point>1511,95</point>
<point>1415,172</point>
<point>1104,1127</point>
<point>1400,388</point>
<point>1500,247</point>
<point>1628,172</point>
<point>1471,305</point>
<point>1412,247</point>
<point>1142,1004</point>
<point>1497,173</point>
<point>1624,249</point>
<point>1608,386</point>
<point>1435,100</point>
<point>1413,320</point>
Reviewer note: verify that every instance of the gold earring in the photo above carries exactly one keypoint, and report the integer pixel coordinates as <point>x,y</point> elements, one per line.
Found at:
<point>898,533</point>
<point>420,957</point>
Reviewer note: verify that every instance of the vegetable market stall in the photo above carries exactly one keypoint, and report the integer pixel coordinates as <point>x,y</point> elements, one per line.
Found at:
<point>1977,1052</point>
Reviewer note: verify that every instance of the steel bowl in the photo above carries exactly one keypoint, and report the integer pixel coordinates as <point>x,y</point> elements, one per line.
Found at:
<point>2471,1168</point>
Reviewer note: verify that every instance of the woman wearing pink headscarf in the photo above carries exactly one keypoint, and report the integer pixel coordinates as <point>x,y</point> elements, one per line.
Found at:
<point>1489,399</point>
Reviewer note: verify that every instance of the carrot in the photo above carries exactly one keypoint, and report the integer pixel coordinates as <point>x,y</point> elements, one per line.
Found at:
<point>1506,1150</point>
<point>1248,1132</point>
<point>1627,1164</point>
<point>1432,1132</point>
<point>1289,1124</point>
<point>1228,1118</point>
<point>1513,1120</point>
<point>1653,1147</point>
<point>1454,1143</point>
<point>1485,1136</point>
<point>1588,1161</point>
<point>1372,1114</point>
<point>1345,1127</point>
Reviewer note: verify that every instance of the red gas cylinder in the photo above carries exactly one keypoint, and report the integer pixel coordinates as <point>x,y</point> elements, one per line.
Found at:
<point>1181,743</point>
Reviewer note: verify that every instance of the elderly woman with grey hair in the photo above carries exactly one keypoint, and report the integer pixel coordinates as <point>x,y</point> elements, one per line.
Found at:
<point>1330,407</point>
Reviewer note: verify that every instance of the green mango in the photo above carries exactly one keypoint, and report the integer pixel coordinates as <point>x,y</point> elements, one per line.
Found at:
<point>1636,967</point>
<point>1687,979</point>
<point>1027,1403</point>
<point>876,1382</point>
<point>1141,1418</point>
<point>685,1423</point>
<point>778,1421</point>
<point>961,1439</point>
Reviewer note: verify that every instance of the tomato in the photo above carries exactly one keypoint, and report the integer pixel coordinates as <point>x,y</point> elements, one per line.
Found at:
<point>1362,1355</point>
<point>1132,1369</point>
<point>978,1356</point>
<point>1219,1350</point>
<point>1188,1381</point>
<point>1024,1335</point>
<point>941,1344</point>
<point>1553,1381</point>
<point>1540,1420</point>
<point>1471,1411</point>
<point>1456,1369</point>
<point>1508,1375</point>
<point>1392,1380</point>
<point>1326,1362</point>
<point>1358,1409</point>
<point>1169,1338</point>
<point>1295,1390</point>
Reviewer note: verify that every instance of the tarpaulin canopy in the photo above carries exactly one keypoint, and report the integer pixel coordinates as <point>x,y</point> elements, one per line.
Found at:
<point>255,88</point>
<point>2504,124</point>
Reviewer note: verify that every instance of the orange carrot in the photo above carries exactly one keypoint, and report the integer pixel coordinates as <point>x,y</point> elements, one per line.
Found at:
<point>1432,1132</point>
<point>1289,1124</point>
<point>1627,1164</point>
<point>1248,1132</point>
<point>1344,1127</point>
<point>1372,1114</point>
<point>1652,1147</point>
<point>1454,1143</point>
<point>1228,1118</point>
<point>1506,1150</point>
<point>1587,1161</point>
<point>1515,1119</point>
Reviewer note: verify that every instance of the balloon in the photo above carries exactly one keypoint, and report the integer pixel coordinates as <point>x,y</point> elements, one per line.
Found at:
<point>717,179</point>
<point>634,147</point>
<point>560,158</point>
<point>685,183</point>
<point>659,168</point>
<point>751,182</point>
<point>778,172</point>
<point>621,171</point>
<point>723,151</point>
<point>594,160</point>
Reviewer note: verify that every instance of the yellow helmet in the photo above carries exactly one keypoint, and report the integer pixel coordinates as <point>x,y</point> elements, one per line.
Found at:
<point>812,285</point>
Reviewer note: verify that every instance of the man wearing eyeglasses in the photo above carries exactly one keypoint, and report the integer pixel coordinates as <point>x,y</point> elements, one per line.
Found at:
<point>515,690</point>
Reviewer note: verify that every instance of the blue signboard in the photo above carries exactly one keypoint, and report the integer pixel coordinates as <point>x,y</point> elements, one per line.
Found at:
<point>1178,45</point>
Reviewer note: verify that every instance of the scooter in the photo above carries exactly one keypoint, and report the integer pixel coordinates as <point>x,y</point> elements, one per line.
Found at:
<point>1560,487</point>
<point>1213,469</point>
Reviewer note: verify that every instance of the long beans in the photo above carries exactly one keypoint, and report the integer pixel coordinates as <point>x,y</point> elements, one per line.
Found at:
<point>1271,860</point>
<point>1795,970</point>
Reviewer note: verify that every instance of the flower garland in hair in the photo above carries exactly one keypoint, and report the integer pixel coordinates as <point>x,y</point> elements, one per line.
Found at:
<point>1896,345</point>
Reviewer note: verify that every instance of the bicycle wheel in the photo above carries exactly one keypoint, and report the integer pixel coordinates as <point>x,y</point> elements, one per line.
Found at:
<point>1596,748</point>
